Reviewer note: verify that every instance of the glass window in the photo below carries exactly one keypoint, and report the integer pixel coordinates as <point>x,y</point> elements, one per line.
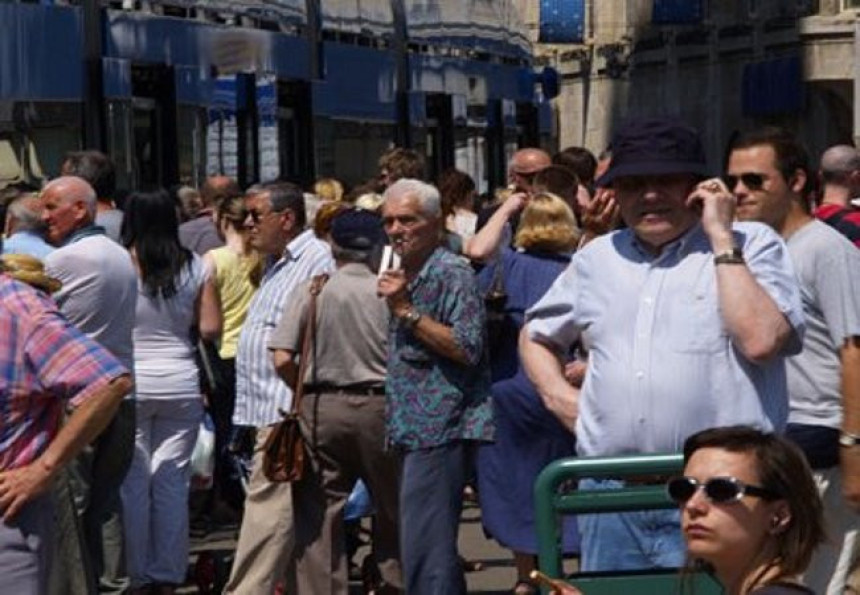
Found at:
<point>191,141</point>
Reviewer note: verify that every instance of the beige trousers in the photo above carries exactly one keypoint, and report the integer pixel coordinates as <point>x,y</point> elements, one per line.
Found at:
<point>264,553</point>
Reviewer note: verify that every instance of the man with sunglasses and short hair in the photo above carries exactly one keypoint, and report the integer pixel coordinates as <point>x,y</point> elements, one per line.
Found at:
<point>687,318</point>
<point>276,225</point>
<point>768,172</point>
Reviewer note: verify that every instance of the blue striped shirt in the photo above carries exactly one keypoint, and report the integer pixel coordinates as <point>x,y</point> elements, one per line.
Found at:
<point>662,365</point>
<point>259,390</point>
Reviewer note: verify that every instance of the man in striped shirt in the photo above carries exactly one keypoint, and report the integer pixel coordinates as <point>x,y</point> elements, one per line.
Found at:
<point>276,221</point>
<point>46,363</point>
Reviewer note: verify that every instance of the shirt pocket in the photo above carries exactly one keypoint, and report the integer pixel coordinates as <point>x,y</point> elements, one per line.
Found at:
<point>700,326</point>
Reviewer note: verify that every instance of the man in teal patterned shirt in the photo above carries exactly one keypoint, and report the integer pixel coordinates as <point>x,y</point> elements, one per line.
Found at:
<point>438,384</point>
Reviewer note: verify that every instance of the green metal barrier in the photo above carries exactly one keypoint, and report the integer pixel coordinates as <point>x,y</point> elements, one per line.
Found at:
<point>549,504</point>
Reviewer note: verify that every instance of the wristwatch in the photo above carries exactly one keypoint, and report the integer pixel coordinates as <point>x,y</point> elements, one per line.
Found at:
<point>733,256</point>
<point>847,439</point>
<point>410,318</point>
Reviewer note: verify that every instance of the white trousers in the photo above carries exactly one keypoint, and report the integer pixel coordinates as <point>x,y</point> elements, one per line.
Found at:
<point>834,560</point>
<point>155,491</point>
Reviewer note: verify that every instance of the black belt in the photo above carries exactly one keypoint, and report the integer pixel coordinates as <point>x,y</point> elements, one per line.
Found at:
<point>362,388</point>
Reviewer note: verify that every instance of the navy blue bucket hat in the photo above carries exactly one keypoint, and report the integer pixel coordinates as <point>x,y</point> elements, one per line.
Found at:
<point>655,146</point>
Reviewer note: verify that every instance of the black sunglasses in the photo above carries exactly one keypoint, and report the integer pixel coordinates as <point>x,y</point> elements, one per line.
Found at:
<point>717,489</point>
<point>752,181</point>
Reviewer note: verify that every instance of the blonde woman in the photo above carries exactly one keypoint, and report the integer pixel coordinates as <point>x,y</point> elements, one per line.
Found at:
<point>528,436</point>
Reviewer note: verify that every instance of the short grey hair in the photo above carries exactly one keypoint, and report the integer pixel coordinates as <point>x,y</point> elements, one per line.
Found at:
<point>426,194</point>
<point>26,210</point>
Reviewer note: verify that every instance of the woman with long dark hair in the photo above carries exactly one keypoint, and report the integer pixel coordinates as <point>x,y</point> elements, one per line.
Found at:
<point>176,295</point>
<point>750,510</point>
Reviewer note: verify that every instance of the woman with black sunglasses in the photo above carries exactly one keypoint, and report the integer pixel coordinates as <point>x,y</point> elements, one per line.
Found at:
<point>750,511</point>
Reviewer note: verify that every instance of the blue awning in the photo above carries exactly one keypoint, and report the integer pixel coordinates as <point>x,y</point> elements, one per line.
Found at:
<point>773,87</point>
<point>677,12</point>
<point>562,21</point>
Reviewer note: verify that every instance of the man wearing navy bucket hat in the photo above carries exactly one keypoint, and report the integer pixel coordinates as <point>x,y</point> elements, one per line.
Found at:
<point>343,410</point>
<point>687,317</point>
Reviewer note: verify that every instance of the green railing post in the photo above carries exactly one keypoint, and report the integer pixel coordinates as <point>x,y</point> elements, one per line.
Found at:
<point>549,503</point>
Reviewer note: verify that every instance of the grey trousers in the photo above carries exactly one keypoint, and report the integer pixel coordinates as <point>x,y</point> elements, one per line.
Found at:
<point>431,499</point>
<point>90,554</point>
<point>25,548</point>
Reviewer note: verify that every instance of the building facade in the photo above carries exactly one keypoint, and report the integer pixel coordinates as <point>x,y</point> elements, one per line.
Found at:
<point>722,66</point>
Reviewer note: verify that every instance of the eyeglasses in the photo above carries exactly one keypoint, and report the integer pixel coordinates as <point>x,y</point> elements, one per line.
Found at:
<point>752,181</point>
<point>720,490</point>
<point>256,216</point>
<point>528,176</point>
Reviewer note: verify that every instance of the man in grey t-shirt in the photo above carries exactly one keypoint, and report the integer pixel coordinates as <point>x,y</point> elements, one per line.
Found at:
<point>768,173</point>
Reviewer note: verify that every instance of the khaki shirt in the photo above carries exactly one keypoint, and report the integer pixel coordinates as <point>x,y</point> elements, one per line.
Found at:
<point>352,326</point>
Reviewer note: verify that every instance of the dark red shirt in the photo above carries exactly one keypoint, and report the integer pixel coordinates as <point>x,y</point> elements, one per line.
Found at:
<point>845,220</point>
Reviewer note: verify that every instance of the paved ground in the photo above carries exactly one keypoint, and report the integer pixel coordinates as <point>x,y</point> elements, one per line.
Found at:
<point>496,576</point>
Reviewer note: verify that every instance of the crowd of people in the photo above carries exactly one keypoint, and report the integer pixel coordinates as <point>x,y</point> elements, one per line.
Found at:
<point>444,343</point>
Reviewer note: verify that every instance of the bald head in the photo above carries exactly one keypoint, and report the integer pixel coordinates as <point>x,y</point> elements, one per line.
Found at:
<point>217,189</point>
<point>71,189</point>
<point>840,159</point>
<point>523,166</point>
<point>68,204</point>
<point>840,174</point>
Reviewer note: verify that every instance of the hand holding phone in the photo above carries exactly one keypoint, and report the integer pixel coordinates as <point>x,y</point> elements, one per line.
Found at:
<point>715,205</point>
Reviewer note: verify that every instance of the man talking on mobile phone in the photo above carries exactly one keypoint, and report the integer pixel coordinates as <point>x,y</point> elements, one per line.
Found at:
<point>688,317</point>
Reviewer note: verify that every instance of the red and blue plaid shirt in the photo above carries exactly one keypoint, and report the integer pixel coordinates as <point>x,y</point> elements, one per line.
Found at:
<point>44,362</point>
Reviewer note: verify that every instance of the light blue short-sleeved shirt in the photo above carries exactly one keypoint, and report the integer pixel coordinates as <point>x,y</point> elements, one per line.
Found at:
<point>662,365</point>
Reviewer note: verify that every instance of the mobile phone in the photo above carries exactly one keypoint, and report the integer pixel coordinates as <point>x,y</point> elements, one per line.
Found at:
<point>390,260</point>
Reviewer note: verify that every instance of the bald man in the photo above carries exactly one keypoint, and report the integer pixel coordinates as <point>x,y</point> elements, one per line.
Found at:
<point>99,296</point>
<point>98,170</point>
<point>523,167</point>
<point>200,234</point>
<point>497,223</point>
<point>839,173</point>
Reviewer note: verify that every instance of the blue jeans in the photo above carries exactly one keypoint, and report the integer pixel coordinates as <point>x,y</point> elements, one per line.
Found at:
<point>629,540</point>
<point>431,499</point>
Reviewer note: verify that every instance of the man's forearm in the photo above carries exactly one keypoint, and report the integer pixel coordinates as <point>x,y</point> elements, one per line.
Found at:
<point>546,372</point>
<point>850,456</point>
<point>850,360</point>
<point>752,318</point>
<point>488,239</point>
<point>85,424</point>
<point>285,365</point>
<point>440,339</point>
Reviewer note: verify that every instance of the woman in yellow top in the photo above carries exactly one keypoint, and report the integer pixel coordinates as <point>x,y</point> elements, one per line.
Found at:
<point>237,269</point>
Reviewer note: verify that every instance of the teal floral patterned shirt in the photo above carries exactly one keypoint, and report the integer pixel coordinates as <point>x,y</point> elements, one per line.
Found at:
<point>433,400</point>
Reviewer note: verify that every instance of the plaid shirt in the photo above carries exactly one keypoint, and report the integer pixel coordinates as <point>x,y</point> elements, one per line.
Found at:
<point>44,361</point>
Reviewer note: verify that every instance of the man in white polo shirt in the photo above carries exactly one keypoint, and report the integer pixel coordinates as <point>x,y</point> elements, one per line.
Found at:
<point>99,296</point>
